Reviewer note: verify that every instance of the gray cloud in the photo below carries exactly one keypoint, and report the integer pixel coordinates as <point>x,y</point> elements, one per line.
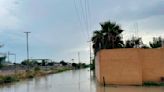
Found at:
<point>57,33</point>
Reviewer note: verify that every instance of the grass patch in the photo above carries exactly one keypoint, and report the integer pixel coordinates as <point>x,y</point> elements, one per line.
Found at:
<point>36,72</point>
<point>8,79</point>
<point>36,69</point>
<point>153,84</point>
<point>62,70</point>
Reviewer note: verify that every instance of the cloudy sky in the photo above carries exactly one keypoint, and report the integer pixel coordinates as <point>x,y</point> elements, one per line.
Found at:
<point>62,28</point>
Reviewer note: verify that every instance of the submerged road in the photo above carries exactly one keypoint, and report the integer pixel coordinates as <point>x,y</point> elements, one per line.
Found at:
<point>71,81</point>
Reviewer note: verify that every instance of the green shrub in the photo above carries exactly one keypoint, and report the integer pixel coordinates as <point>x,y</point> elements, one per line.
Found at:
<point>151,84</point>
<point>30,76</point>
<point>37,69</point>
<point>9,79</point>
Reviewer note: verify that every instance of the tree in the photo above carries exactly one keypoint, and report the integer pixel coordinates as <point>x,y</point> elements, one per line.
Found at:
<point>108,37</point>
<point>112,35</point>
<point>98,41</point>
<point>134,42</point>
<point>157,42</point>
<point>25,62</point>
<point>63,63</point>
<point>30,63</point>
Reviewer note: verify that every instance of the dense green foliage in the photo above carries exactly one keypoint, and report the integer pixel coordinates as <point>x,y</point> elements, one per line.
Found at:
<point>157,42</point>
<point>8,79</point>
<point>63,63</point>
<point>108,37</point>
<point>134,42</point>
<point>153,84</point>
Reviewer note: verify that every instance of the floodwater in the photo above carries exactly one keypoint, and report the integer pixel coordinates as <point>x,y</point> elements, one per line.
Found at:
<point>71,81</point>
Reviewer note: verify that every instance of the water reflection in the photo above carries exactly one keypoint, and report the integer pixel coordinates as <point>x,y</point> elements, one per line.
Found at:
<point>100,88</point>
<point>71,81</point>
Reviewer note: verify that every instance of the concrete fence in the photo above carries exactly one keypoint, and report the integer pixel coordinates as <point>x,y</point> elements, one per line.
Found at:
<point>132,66</point>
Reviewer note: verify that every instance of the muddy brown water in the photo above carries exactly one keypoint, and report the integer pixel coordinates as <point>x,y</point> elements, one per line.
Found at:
<point>71,81</point>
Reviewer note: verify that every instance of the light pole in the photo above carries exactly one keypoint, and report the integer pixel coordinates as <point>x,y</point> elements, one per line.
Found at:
<point>79,59</point>
<point>8,53</point>
<point>90,52</point>
<point>72,60</point>
<point>14,59</point>
<point>27,46</point>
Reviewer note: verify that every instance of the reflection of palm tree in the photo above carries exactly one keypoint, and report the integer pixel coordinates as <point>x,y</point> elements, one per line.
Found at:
<point>108,37</point>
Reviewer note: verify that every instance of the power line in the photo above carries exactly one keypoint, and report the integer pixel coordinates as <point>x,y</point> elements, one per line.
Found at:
<point>79,57</point>
<point>79,16</point>
<point>82,6</point>
<point>85,18</point>
<point>88,15</point>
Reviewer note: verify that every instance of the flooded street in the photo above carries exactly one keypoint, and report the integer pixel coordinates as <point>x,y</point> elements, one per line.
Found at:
<point>71,81</point>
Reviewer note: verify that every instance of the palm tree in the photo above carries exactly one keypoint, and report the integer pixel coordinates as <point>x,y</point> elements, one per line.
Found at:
<point>112,35</point>
<point>108,37</point>
<point>97,40</point>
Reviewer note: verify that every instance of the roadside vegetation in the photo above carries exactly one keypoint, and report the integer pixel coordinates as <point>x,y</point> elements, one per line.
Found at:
<point>32,68</point>
<point>37,72</point>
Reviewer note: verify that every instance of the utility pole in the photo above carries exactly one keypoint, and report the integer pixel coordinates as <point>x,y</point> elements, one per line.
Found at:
<point>8,53</point>
<point>90,52</point>
<point>27,34</point>
<point>72,60</point>
<point>15,63</point>
<point>79,58</point>
<point>162,42</point>
<point>90,57</point>
<point>14,59</point>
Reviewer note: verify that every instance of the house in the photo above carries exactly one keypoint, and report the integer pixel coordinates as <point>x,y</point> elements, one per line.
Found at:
<point>2,58</point>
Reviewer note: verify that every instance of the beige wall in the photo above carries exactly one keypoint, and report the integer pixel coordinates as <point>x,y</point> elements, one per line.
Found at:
<point>152,64</point>
<point>129,66</point>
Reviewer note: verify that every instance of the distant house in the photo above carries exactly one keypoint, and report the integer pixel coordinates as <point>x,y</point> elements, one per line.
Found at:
<point>3,58</point>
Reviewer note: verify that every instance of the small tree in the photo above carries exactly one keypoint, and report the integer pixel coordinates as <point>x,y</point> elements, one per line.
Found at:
<point>157,42</point>
<point>63,63</point>
<point>134,42</point>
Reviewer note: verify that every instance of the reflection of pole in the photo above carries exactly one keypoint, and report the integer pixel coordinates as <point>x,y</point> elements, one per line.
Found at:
<point>79,80</point>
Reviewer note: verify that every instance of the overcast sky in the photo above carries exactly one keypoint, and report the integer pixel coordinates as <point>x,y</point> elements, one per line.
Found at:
<point>58,27</point>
